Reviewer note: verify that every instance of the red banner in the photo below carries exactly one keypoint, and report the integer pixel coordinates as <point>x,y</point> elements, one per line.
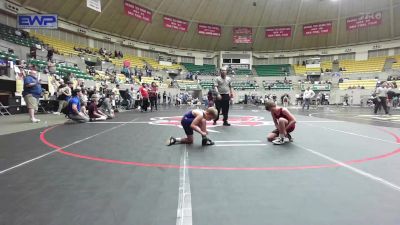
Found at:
<point>366,20</point>
<point>318,28</point>
<point>209,30</point>
<point>176,24</point>
<point>137,11</point>
<point>242,35</point>
<point>276,32</point>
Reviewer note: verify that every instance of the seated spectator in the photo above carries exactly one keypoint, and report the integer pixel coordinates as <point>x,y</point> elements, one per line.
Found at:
<point>74,108</point>
<point>18,33</point>
<point>52,67</point>
<point>84,100</point>
<point>94,113</point>
<point>106,106</point>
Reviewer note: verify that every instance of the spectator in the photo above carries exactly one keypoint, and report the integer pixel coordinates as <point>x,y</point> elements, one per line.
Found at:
<point>52,67</point>
<point>94,113</point>
<point>32,92</point>
<point>50,53</point>
<point>74,108</point>
<point>153,91</point>
<point>145,97</point>
<point>63,95</point>
<point>32,52</point>
<point>18,33</point>
<point>106,106</point>
<point>307,96</point>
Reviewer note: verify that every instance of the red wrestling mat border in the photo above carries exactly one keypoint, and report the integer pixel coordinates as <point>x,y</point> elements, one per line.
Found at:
<point>174,166</point>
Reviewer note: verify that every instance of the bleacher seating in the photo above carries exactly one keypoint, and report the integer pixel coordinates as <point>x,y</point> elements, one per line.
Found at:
<point>147,80</point>
<point>153,63</point>
<point>397,64</point>
<point>187,85</point>
<point>316,87</point>
<point>302,70</point>
<point>7,33</point>
<point>8,56</point>
<point>134,60</point>
<point>363,66</point>
<point>243,72</point>
<point>243,85</point>
<point>62,69</point>
<point>202,69</point>
<point>272,70</point>
<point>277,86</point>
<point>237,85</point>
<point>326,65</point>
<point>67,48</point>
<point>63,47</point>
<point>367,84</point>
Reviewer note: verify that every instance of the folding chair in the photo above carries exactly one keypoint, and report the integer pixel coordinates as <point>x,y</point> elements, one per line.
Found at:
<point>3,110</point>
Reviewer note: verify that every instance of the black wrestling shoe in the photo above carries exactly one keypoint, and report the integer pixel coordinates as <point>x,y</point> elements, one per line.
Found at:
<point>207,141</point>
<point>226,124</point>
<point>290,138</point>
<point>171,141</point>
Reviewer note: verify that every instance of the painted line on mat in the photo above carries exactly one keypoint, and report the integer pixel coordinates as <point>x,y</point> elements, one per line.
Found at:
<point>355,134</point>
<point>228,168</point>
<point>241,141</point>
<point>238,145</point>
<point>59,148</point>
<point>355,170</point>
<point>184,211</point>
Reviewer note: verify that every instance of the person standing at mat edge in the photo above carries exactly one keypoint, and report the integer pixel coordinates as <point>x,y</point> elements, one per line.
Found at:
<point>223,88</point>
<point>284,122</point>
<point>195,120</point>
<point>32,92</point>
<point>307,96</point>
<point>381,98</point>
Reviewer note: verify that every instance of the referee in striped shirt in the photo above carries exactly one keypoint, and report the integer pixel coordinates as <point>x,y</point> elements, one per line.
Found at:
<point>223,88</point>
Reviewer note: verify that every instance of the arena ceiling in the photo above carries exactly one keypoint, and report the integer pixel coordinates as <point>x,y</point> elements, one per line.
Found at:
<point>257,14</point>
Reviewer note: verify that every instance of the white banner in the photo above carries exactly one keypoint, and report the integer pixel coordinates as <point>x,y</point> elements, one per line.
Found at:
<point>94,4</point>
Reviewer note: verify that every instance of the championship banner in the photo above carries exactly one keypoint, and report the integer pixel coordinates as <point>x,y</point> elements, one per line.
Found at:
<point>94,4</point>
<point>209,30</point>
<point>366,20</point>
<point>277,32</point>
<point>137,11</point>
<point>242,35</point>
<point>317,28</point>
<point>176,24</point>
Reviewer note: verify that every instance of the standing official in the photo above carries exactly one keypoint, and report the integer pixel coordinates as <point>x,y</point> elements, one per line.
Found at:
<point>223,88</point>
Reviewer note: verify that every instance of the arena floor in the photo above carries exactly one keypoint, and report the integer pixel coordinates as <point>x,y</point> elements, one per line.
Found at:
<point>342,168</point>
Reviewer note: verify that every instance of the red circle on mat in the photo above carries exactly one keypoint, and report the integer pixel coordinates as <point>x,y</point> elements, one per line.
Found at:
<point>174,166</point>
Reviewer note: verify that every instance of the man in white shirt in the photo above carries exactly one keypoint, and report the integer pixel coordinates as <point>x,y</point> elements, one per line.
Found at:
<point>307,96</point>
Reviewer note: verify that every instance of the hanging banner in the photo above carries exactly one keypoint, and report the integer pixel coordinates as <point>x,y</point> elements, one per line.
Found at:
<point>242,35</point>
<point>277,32</point>
<point>317,28</point>
<point>366,20</point>
<point>137,11</point>
<point>209,30</point>
<point>94,4</point>
<point>176,24</point>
